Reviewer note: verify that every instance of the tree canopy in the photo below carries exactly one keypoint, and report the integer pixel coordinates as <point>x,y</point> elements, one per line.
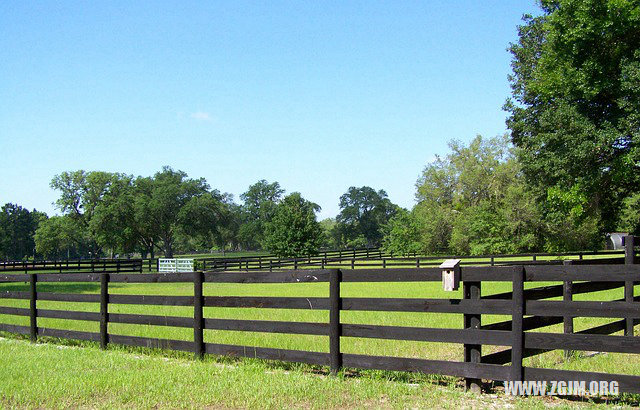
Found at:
<point>294,230</point>
<point>574,114</point>
<point>363,214</point>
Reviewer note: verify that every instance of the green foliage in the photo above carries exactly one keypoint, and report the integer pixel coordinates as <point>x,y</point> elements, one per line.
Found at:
<point>630,215</point>
<point>330,234</point>
<point>575,110</point>
<point>294,230</point>
<point>59,237</point>
<point>17,230</point>
<point>474,201</point>
<point>260,202</point>
<point>363,214</point>
<point>402,234</point>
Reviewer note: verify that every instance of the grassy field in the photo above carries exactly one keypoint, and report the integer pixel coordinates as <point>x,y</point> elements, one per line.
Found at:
<point>59,376</point>
<point>376,384</point>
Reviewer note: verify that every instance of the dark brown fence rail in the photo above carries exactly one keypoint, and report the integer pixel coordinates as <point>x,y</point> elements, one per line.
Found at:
<point>529,309</point>
<point>81,265</point>
<point>378,259</point>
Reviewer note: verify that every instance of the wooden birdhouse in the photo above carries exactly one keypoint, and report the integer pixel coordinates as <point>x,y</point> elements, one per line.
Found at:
<point>450,274</point>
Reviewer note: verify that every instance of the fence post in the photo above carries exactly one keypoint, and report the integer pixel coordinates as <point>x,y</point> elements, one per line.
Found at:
<point>198,321</point>
<point>353,263</point>
<point>104,310</point>
<point>417,262</point>
<point>629,259</point>
<point>567,296</point>
<point>335,302</point>
<point>33,312</point>
<point>517,316</point>
<point>472,353</point>
<point>384,263</point>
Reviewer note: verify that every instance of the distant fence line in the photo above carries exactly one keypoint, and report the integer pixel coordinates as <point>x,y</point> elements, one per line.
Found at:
<point>528,309</point>
<point>365,257</point>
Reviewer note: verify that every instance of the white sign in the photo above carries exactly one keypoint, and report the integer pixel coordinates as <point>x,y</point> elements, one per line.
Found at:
<point>175,265</point>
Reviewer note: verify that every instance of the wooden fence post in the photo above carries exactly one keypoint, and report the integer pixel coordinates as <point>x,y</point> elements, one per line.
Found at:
<point>517,316</point>
<point>629,259</point>
<point>335,302</point>
<point>198,320</point>
<point>472,353</point>
<point>33,312</point>
<point>567,296</point>
<point>353,263</point>
<point>104,310</point>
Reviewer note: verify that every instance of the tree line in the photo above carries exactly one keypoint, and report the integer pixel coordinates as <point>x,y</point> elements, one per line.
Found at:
<point>107,214</point>
<point>566,173</point>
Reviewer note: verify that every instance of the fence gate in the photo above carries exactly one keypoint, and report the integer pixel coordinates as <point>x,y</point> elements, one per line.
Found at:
<point>175,265</point>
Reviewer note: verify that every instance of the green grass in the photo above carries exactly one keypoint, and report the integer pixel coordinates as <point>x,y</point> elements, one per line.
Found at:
<point>609,362</point>
<point>55,376</point>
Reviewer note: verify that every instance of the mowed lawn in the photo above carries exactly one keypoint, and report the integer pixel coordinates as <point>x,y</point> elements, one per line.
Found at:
<point>301,385</point>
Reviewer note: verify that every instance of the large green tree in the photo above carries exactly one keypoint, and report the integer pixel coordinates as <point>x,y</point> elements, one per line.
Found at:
<point>259,207</point>
<point>294,230</point>
<point>17,229</point>
<point>575,109</point>
<point>363,215</point>
<point>474,201</point>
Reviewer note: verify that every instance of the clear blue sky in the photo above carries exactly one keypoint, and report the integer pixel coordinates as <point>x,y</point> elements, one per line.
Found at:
<point>319,96</point>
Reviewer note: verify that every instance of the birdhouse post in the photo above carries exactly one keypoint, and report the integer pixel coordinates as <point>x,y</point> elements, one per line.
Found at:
<point>450,274</point>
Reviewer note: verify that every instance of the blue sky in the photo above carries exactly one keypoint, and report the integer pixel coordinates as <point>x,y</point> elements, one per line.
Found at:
<point>318,96</point>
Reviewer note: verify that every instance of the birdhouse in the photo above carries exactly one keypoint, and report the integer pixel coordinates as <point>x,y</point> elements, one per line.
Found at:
<point>450,274</point>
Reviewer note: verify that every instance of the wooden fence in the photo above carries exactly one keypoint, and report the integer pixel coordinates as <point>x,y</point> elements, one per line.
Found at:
<point>381,260</point>
<point>528,309</point>
<point>80,265</point>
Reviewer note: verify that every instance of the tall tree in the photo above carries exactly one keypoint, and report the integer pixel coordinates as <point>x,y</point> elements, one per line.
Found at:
<point>170,201</point>
<point>575,109</point>
<point>17,230</point>
<point>294,230</point>
<point>363,214</point>
<point>474,201</point>
<point>259,205</point>
<point>81,193</point>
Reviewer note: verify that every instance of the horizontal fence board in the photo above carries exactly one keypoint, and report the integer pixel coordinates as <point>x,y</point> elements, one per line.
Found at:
<point>68,277</point>
<point>395,275</point>
<point>583,309</point>
<point>552,291</point>
<point>599,273</point>
<point>68,334</point>
<point>458,369</point>
<point>181,345</point>
<point>68,314</point>
<point>626,383</point>
<point>21,330</point>
<point>585,342</point>
<point>428,305</point>
<point>175,321</point>
<point>151,300</point>
<point>68,297</point>
<point>528,323</point>
<point>14,278</point>
<point>152,277</point>
<point>267,302</point>
<point>268,326</point>
<point>504,356</point>
<point>300,356</point>
<point>268,277</point>
<point>489,337</point>
<point>14,311</point>
<point>9,294</point>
